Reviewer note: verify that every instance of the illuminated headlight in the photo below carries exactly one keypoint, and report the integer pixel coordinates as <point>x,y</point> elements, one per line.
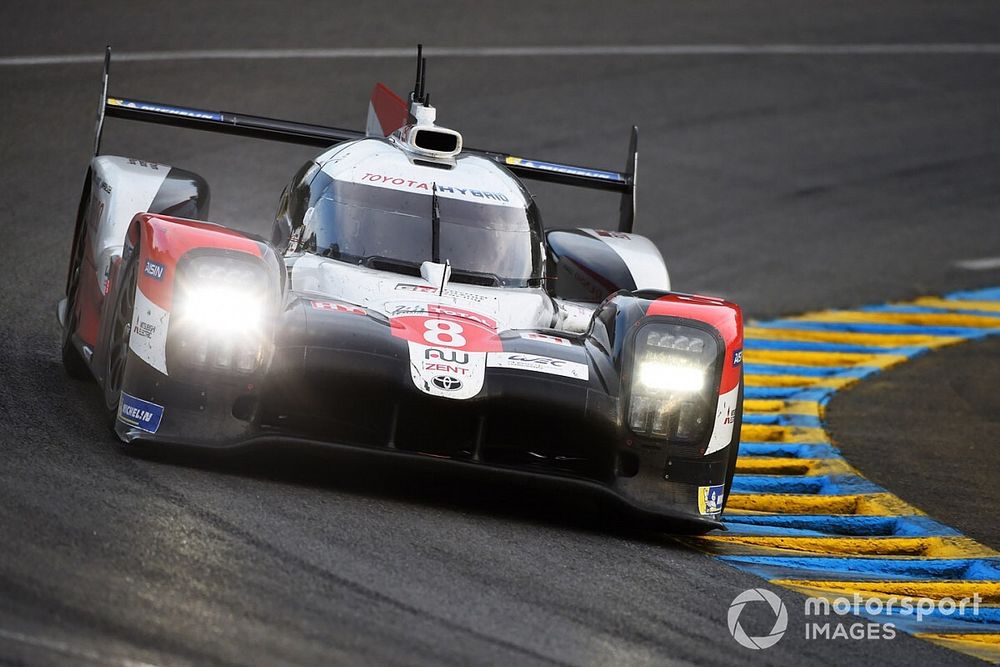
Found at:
<point>672,388</point>
<point>223,309</point>
<point>219,314</point>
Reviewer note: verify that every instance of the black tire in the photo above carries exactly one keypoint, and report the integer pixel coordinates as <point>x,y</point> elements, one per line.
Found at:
<point>116,355</point>
<point>74,363</point>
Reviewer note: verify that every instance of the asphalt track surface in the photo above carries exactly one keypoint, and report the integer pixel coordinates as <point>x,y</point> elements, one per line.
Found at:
<point>784,182</point>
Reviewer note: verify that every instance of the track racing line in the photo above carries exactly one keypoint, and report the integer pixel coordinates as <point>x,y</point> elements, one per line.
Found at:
<point>801,517</point>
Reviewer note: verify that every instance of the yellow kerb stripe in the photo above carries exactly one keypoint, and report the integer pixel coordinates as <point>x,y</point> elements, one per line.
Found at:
<point>927,547</point>
<point>768,465</point>
<point>767,406</point>
<point>848,337</point>
<point>770,433</point>
<point>912,319</point>
<point>934,302</point>
<point>988,591</point>
<point>868,504</point>
<point>822,359</point>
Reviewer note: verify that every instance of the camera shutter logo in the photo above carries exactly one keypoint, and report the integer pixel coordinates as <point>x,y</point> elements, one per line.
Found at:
<point>780,621</point>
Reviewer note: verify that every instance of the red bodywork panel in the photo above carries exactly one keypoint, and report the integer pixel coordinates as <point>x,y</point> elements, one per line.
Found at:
<point>389,108</point>
<point>726,317</point>
<point>165,240</point>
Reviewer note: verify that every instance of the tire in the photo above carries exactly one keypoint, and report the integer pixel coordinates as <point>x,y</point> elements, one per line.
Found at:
<point>116,355</point>
<point>74,363</point>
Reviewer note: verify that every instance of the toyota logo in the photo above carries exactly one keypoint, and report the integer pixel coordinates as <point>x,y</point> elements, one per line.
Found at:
<point>447,382</point>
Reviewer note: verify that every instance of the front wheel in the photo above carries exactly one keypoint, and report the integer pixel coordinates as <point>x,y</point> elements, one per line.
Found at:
<point>116,358</point>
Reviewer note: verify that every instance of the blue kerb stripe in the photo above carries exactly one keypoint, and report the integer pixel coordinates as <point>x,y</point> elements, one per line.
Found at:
<point>782,420</point>
<point>810,371</point>
<point>867,327</point>
<point>809,346</point>
<point>930,310</point>
<point>987,294</point>
<point>798,393</point>
<point>803,450</point>
<point>868,568</point>
<point>823,485</point>
<point>837,525</point>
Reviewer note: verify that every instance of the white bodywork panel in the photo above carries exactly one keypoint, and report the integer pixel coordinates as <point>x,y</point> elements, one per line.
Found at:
<point>725,420</point>
<point>149,332</point>
<point>640,255</point>
<point>124,187</point>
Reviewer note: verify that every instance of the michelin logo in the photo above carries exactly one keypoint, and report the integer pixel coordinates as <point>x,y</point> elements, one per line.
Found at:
<point>710,499</point>
<point>141,414</point>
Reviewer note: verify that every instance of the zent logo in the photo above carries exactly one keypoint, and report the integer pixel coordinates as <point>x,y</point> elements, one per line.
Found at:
<point>153,270</point>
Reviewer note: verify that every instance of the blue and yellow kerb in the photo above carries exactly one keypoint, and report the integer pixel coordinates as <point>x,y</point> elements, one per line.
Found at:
<point>801,517</point>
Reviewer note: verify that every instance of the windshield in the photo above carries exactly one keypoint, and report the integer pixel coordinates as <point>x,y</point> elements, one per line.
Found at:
<point>486,244</point>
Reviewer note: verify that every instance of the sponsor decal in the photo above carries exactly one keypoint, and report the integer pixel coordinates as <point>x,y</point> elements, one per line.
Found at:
<point>447,382</point>
<point>545,338</point>
<point>612,235</point>
<point>332,307</point>
<point>427,289</point>
<point>730,416</point>
<point>538,364</point>
<point>457,294</point>
<point>737,357</point>
<point>710,499</point>
<point>454,362</point>
<point>153,270</point>
<point>467,193</point>
<point>149,332</point>
<point>725,421</point>
<point>451,373</point>
<point>565,169</point>
<point>165,108</point>
<point>142,414</point>
<point>142,163</point>
<point>144,329</point>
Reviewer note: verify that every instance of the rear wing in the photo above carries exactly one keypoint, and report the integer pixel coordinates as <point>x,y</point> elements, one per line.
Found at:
<point>260,127</point>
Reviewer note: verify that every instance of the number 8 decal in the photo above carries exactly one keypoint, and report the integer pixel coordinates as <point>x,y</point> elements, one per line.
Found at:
<point>444,332</point>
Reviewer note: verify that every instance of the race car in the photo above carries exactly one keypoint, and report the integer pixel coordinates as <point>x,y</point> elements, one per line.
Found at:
<point>408,300</point>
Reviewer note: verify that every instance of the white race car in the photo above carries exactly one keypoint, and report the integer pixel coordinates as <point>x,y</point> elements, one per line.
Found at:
<point>409,300</point>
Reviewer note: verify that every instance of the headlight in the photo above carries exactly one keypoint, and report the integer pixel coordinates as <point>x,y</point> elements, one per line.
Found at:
<point>223,309</point>
<point>673,373</point>
<point>220,307</point>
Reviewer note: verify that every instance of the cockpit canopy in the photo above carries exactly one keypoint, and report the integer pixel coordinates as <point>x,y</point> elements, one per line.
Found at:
<point>369,215</point>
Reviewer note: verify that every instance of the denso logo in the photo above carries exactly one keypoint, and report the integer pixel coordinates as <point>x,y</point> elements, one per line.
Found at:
<point>153,270</point>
